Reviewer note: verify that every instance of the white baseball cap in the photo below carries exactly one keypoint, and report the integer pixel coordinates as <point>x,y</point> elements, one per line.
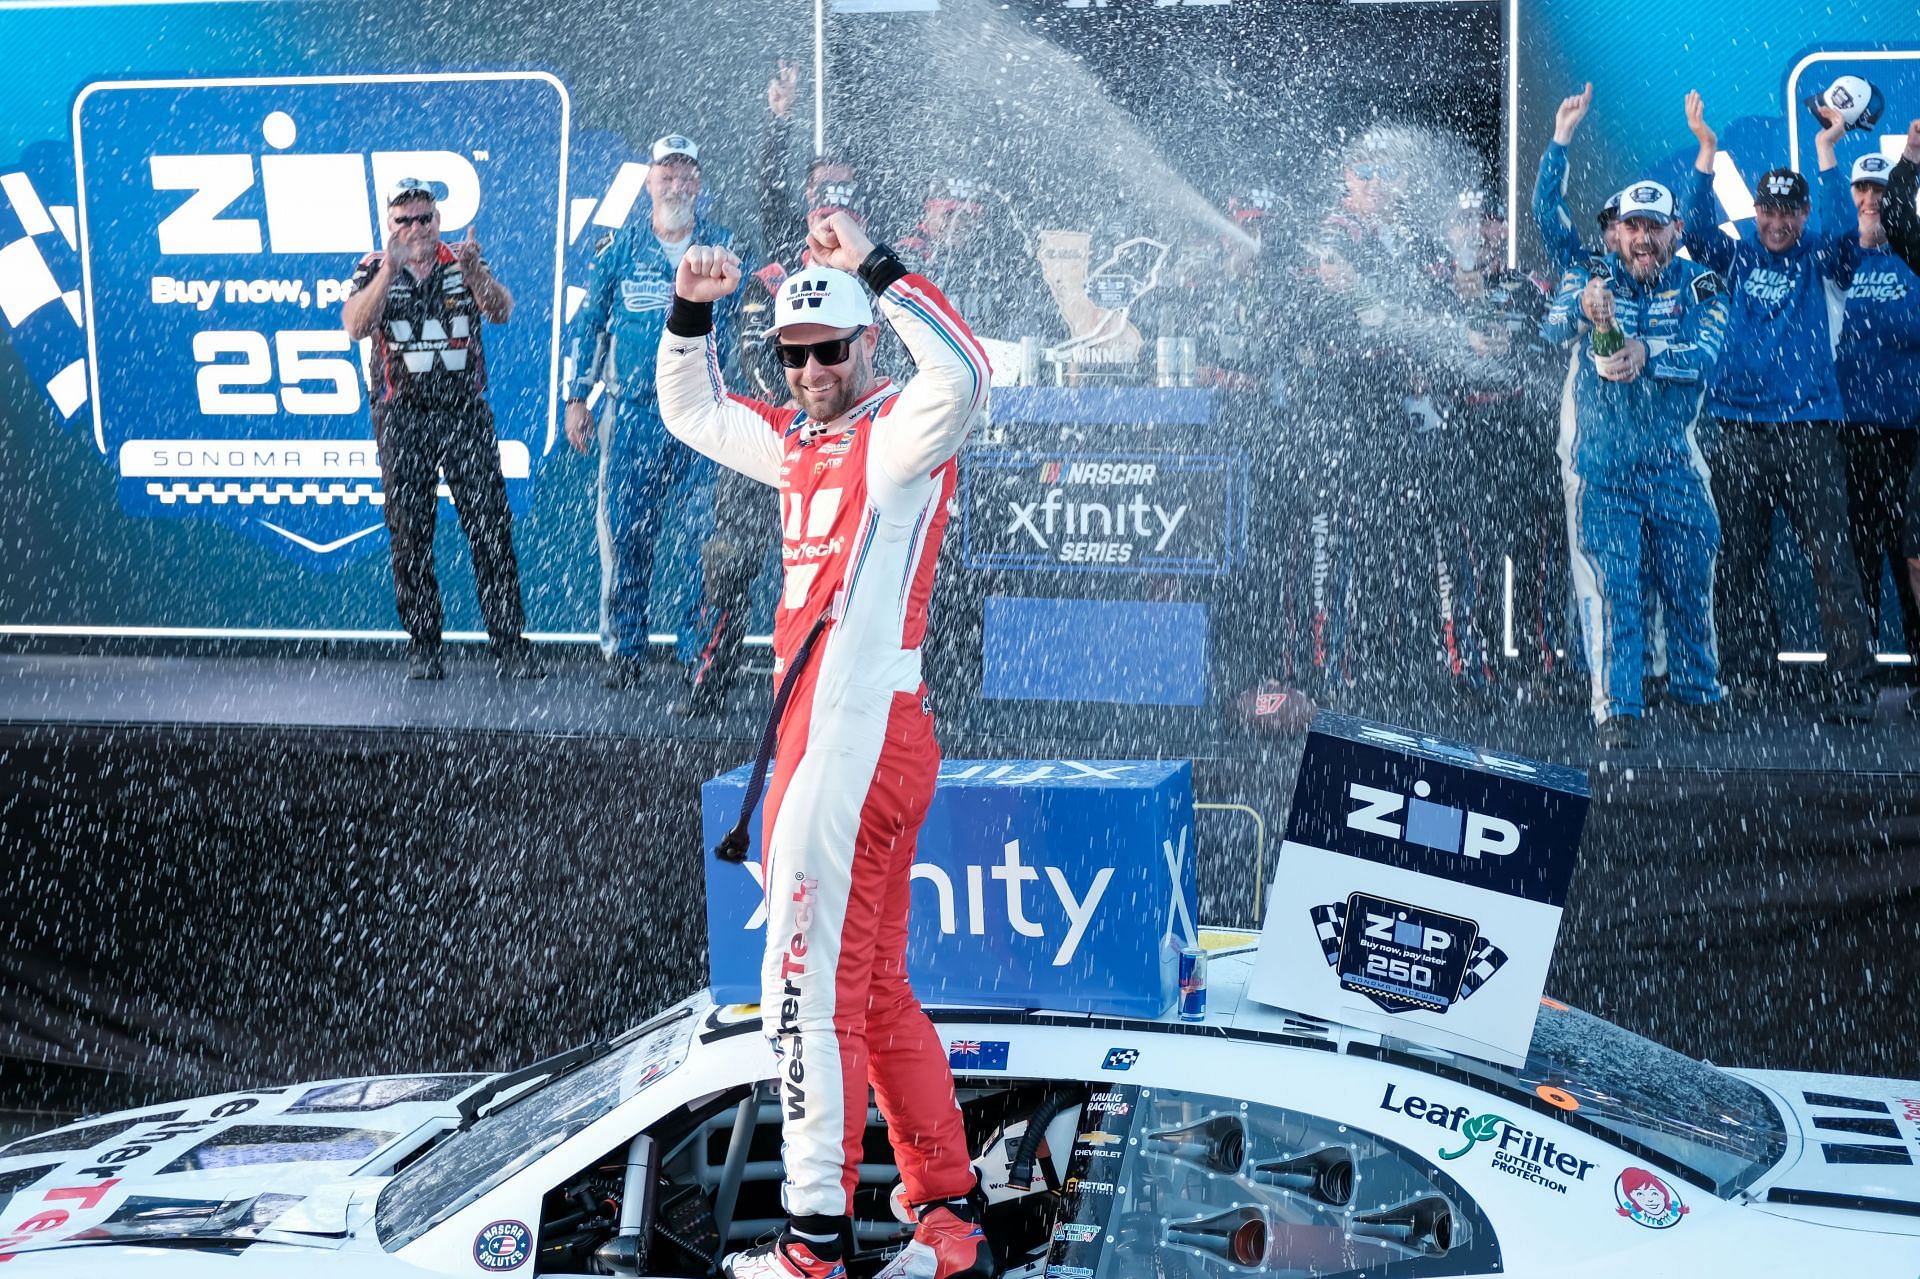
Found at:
<point>821,295</point>
<point>1859,102</point>
<point>414,189</point>
<point>675,144</point>
<point>1872,167</point>
<point>1646,200</point>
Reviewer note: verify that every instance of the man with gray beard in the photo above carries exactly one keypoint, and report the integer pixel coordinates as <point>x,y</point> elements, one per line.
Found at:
<point>650,490</point>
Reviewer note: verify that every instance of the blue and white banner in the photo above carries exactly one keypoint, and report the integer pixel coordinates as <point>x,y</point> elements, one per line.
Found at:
<point>1064,884</point>
<point>1420,886</point>
<point>219,222</point>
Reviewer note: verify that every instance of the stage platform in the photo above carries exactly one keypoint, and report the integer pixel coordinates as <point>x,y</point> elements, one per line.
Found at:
<point>236,868</point>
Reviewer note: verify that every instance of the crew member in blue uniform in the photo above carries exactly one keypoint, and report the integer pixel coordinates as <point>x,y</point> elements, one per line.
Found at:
<point>650,491</point>
<point>1878,361</point>
<point>1775,401</point>
<point>1632,467</point>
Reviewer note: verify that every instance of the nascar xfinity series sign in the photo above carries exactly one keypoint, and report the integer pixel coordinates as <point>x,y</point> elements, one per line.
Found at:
<point>1156,512</point>
<point>220,221</point>
<point>1420,887</point>
<point>1065,884</point>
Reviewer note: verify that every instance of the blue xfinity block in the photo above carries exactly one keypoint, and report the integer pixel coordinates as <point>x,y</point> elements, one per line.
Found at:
<point>1064,884</point>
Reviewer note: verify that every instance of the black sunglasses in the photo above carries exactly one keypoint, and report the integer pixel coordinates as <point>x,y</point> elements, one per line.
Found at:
<point>832,351</point>
<point>412,219</point>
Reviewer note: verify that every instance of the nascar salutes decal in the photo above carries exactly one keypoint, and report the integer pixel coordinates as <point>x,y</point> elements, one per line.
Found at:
<point>502,1245</point>
<point>1518,1152</point>
<point>1646,1200</point>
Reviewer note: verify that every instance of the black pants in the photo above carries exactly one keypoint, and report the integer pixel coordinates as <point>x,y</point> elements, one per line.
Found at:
<point>1879,466</point>
<point>1798,468</point>
<point>417,443</point>
<point>745,530</point>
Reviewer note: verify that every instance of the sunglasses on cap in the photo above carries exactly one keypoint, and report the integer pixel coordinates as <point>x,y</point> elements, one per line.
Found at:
<point>828,353</point>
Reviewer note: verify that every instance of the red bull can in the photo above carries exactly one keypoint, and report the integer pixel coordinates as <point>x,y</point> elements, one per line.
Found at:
<point>1193,984</point>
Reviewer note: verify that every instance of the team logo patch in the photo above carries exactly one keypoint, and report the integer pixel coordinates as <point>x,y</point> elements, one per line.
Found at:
<point>1707,285</point>
<point>1645,195</point>
<point>1120,1059</point>
<point>806,294</point>
<point>1646,1200</point>
<point>502,1245</point>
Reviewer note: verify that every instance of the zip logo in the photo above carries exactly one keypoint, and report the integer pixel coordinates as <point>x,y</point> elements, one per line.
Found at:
<point>1427,824</point>
<point>315,203</point>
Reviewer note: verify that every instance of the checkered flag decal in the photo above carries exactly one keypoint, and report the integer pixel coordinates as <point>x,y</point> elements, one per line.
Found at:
<point>1329,923</point>
<point>1486,961</point>
<point>37,300</point>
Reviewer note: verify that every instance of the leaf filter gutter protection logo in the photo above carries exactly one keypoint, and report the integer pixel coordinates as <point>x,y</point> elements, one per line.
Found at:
<point>1518,1152</point>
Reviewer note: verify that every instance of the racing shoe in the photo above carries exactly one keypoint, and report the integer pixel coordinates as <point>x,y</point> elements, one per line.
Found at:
<point>782,1257</point>
<point>944,1247</point>
<point>1852,704</point>
<point>1619,733</point>
<point>518,662</point>
<point>424,663</point>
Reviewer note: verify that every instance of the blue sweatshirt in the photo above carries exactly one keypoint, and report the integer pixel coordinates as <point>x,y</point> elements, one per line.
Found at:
<point>1778,365</point>
<point>1879,355</point>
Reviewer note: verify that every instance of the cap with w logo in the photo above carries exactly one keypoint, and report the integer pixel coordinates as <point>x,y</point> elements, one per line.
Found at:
<point>1782,189</point>
<point>824,296</point>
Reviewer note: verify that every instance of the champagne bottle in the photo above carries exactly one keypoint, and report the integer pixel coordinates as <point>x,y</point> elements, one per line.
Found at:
<point>1607,338</point>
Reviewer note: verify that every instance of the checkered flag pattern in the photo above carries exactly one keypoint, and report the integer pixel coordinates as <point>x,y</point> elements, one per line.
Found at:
<point>38,264</point>
<point>1329,923</point>
<point>1486,961</point>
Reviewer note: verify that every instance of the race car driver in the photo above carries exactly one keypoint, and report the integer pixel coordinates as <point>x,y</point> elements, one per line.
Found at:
<point>864,470</point>
<point>421,303</point>
<point>647,487</point>
<point>1633,471</point>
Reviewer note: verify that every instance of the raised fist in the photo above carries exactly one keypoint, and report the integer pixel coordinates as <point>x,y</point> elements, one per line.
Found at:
<point>707,274</point>
<point>838,241</point>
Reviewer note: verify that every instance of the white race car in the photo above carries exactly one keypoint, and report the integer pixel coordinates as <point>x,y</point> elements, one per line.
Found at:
<point>1253,1143</point>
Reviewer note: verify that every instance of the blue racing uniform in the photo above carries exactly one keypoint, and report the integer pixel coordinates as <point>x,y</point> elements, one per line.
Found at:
<point>1557,234</point>
<point>1635,477</point>
<point>651,488</point>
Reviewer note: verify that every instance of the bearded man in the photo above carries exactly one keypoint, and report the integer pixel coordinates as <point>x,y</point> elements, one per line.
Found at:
<point>651,492</point>
<point>1634,474</point>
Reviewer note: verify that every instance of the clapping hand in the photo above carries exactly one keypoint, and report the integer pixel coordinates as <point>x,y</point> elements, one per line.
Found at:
<point>467,252</point>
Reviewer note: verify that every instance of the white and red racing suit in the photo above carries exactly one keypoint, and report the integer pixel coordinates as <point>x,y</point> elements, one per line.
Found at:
<point>863,503</point>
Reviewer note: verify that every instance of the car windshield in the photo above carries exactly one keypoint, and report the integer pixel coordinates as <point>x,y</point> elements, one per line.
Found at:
<point>1717,1126</point>
<point>471,1162</point>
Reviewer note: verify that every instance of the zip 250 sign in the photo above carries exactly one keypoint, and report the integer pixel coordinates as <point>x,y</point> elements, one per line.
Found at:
<point>219,223</point>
